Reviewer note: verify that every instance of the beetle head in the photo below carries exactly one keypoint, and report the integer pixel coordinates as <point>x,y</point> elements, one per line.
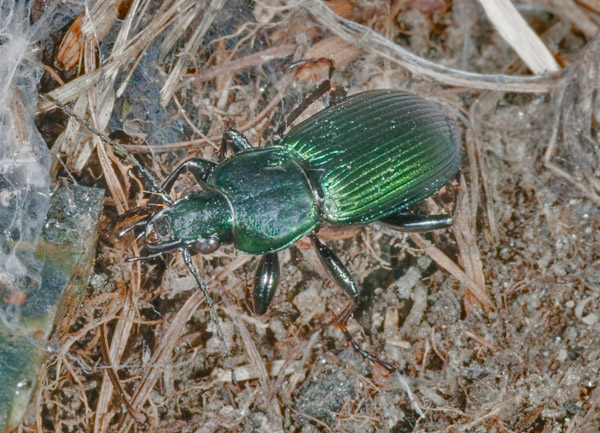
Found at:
<point>200,222</point>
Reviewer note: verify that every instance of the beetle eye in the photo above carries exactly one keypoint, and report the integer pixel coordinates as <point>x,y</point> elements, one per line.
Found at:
<point>207,245</point>
<point>162,229</point>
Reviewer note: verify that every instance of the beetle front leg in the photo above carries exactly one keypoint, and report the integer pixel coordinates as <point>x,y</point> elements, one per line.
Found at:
<point>410,223</point>
<point>199,168</point>
<point>234,140</point>
<point>265,282</point>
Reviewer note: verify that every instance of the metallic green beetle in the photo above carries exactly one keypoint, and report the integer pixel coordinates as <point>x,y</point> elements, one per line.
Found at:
<point>365,158</point>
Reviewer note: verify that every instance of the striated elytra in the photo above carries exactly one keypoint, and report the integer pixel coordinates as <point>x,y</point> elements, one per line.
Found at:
<point>366,158</point>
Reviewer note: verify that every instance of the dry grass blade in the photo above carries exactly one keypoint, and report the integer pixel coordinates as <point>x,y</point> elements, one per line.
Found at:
<point>84,35</point>
<point>120,337</point>
<point>446,263</point>
<point>192,46</point>
<point>581,18</point>
<point>114,377</point>
<point>257,363</point>
<point>478,167</point>
<point>464,229</point>
<point>247,62</point>
<point>371,41</point>
<point>135,46</point>
<point>576,109</point>
<point>169,338</point>
<point>515,30</point>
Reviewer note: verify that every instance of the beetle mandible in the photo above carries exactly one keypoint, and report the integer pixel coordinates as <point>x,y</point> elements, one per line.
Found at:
<point>364,159</point>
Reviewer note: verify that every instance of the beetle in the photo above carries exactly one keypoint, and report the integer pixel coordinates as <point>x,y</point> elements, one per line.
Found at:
<point>366,158</point>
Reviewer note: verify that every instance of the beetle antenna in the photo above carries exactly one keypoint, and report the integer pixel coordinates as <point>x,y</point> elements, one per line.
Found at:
<point>143,258</point>
<point>187,257</point>
<point>119,150</point>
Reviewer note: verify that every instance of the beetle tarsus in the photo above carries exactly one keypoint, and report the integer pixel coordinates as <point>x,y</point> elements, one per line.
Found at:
<point>342,277</point>
<point>323,88</point>
<point>363,352</point>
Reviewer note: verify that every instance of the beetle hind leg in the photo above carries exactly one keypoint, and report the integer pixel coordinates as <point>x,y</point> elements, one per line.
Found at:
<point>361,351</point>
<point>336,270</point>
<point>411,223</point>
<point>340,274</point>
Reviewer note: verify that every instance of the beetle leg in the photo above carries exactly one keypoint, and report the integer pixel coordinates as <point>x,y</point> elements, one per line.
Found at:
<point>342,277</point>
<point>187,257</point>
<point>265,282</point>
<point>200,169</point>
<point>305,62</point>
<point>234,140</point>
<point>336,270</point>
<point>323,88</point>
<point>409,223</point>
<point>362,352</point>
